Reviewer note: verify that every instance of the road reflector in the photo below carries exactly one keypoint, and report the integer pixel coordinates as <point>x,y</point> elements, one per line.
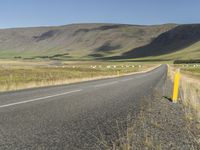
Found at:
<point>176,86</point>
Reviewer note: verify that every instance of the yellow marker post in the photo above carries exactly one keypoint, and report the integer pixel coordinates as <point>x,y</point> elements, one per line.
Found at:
<point>176,86</point>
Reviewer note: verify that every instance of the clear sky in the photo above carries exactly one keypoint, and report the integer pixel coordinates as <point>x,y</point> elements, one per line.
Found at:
<point>23,13</point>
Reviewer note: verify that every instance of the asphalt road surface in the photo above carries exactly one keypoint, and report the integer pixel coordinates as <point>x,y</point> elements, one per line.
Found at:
<point>75,116</point>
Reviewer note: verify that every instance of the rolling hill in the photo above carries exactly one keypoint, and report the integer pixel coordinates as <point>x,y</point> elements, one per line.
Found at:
<point>95,41</point>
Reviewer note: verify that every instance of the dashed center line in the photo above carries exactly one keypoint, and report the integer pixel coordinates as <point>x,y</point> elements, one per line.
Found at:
<point>106,84</point>
<point>60,94</point>
<point>38,99</point>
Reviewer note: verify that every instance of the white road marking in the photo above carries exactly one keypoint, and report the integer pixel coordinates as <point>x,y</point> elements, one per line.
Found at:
<point>106,84</point>
<point>127,79</point>
<point>38,99</point>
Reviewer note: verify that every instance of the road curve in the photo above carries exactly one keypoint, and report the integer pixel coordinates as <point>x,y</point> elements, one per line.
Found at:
<point>75,116</point>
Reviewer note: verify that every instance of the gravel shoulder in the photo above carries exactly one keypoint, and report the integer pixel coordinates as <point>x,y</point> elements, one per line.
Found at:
<point>162,124</point>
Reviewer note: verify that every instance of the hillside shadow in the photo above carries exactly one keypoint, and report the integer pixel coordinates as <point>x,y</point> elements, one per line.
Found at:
<point>100,28</point>
<point>107,47</point>
<point>171,41</point>
<point>46,35</point>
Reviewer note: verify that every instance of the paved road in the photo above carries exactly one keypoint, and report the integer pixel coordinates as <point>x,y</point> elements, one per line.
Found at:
<point>76,116</point>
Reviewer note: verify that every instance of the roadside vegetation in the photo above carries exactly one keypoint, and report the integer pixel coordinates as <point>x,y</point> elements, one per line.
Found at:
<point>16,75</point>
<point>190,96</point>
<point>159,125</point>
<point>190,89</point>
<point>190,61</point>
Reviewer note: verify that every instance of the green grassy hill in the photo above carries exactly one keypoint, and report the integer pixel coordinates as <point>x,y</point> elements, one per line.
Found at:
<point>102,41</point>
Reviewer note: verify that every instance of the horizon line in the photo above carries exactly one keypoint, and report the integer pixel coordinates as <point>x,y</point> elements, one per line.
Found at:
<point>82,23</point>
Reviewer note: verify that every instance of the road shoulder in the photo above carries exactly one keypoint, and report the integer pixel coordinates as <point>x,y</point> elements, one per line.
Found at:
<point>161,124</point>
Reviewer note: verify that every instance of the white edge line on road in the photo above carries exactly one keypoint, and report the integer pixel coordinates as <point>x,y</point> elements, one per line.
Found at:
<point>37,99</point>
<point>127,79</point>
<point>106,84</point>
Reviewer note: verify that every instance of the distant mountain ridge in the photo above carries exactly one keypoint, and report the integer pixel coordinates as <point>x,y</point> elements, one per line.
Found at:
<point>92,41</point>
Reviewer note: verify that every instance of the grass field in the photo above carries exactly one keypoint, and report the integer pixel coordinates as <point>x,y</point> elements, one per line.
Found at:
<point>193,70</point>
<point>16,75</point>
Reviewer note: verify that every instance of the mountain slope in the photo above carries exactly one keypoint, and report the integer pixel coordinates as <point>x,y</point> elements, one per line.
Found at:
<point>78,40</point>
<point>92,41</point>
<point>173,42</point>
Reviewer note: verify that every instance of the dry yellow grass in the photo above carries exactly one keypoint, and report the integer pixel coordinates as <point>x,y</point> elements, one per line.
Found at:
<point>189,92</point>
<point>25,74</point>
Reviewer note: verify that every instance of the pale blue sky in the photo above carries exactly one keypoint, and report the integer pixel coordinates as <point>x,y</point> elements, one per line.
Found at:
<point>23,13</point>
